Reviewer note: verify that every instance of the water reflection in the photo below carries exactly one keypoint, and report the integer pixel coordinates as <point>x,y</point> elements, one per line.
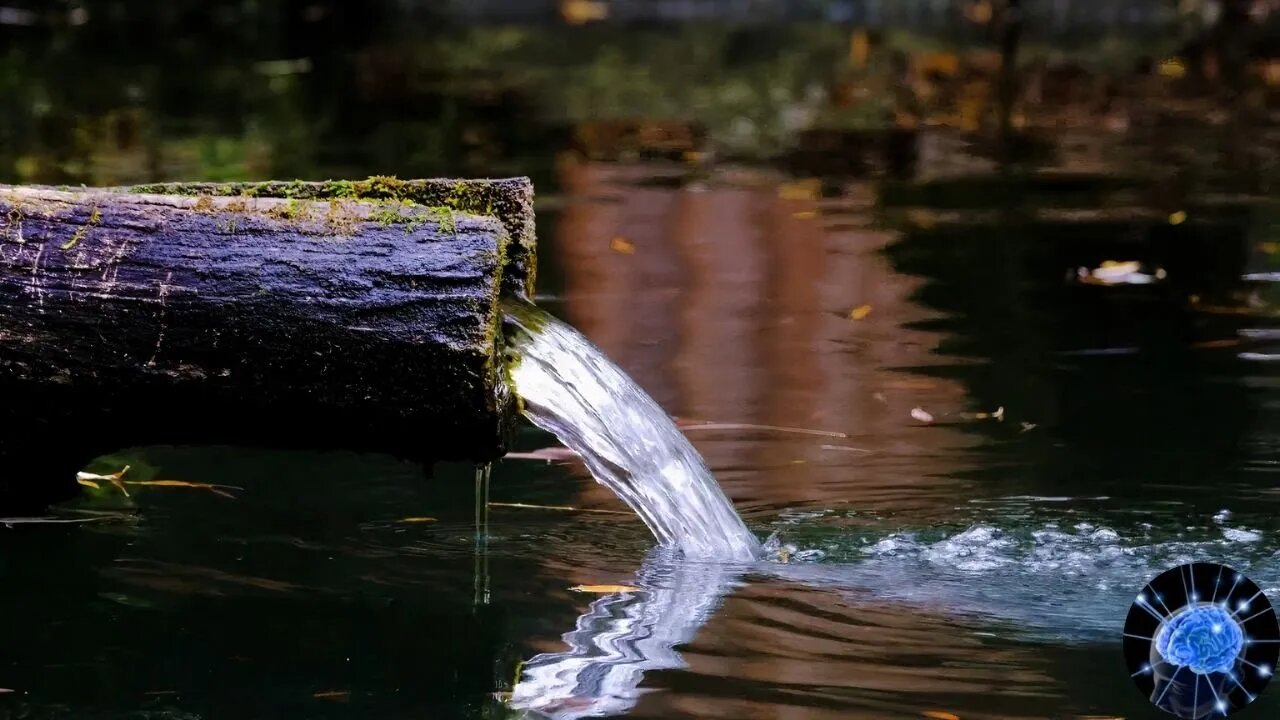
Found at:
<point>897,621</point>
<point>624,635</point>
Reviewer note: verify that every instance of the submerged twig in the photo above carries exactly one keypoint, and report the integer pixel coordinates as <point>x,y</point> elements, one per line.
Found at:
<point>11,521</point>
<point>215,489</point>
<point>847,448</point>
<point>562,508</point>
<point>688,426</point>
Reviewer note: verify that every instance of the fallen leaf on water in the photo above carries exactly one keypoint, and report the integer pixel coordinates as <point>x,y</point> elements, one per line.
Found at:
<point>338,695</point>
<point>940,715</point>
<point>860,312</point>
<point>417,520</point>
<point>622,245</point>
<point>1178,217</point>
<point>921,415</point>
<point>562,508</point>
<point>1172,68</point>
<point>604,589</point>
<point>215,489</point>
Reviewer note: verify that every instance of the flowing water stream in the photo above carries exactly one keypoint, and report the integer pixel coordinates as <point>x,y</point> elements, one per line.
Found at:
<point>632,447</point>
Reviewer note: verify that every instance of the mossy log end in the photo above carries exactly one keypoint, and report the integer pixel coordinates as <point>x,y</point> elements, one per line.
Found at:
<point>131,318</point>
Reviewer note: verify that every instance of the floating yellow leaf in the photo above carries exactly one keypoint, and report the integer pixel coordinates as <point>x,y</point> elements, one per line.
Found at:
<point>417,520</point>
<point>622,245</point>
<point>1178,217</point>
<point>921,415</point>
<point>1173,68</point>
<point>860,312</point>
<point>604,589</point>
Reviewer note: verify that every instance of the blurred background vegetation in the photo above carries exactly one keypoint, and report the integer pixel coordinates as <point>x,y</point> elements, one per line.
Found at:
<point>115,91</point>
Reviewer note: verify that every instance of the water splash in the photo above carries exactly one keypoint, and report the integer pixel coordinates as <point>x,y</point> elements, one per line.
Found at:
<point>630,445</point>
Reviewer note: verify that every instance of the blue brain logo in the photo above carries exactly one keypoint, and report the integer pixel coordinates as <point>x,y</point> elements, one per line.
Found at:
<point>1204,638</point>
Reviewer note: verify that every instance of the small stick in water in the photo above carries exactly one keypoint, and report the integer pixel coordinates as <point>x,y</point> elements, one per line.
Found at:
<point>11,521</point>
<point>690,425</point>
<point>563,508</point>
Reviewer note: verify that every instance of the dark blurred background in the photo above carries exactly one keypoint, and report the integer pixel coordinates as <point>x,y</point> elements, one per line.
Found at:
<point>111,91</point>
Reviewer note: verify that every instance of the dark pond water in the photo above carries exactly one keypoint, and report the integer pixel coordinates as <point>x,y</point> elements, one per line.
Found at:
<point>974,565</point>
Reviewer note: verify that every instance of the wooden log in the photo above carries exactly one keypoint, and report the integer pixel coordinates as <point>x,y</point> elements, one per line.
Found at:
<point>231,315</point>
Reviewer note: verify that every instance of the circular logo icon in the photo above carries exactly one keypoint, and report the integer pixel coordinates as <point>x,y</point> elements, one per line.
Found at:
<point>1201,641</point>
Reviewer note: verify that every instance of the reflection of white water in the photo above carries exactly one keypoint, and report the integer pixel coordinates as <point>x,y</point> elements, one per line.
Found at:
<point>623,636</point>
<point>631,446</point>
<point>1065,585</point>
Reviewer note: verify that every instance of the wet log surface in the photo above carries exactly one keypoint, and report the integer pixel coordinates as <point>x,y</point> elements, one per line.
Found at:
<point>130,318</point>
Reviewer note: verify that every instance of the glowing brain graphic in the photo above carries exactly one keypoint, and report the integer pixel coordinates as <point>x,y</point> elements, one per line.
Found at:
<point>1204,638</point>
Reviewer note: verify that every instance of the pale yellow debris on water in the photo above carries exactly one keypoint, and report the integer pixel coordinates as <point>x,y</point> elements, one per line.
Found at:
<point>860,312</point>
<point>604,589</point>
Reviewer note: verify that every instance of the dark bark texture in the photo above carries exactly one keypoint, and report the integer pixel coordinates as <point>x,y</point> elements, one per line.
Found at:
<point>130,318</point>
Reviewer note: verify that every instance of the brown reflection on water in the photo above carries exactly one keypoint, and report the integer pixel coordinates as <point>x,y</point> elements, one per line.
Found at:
<point>729,300</point>
<point>816,653</point>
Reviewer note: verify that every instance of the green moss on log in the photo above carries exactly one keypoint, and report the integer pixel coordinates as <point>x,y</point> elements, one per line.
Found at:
<point>405,201</point>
